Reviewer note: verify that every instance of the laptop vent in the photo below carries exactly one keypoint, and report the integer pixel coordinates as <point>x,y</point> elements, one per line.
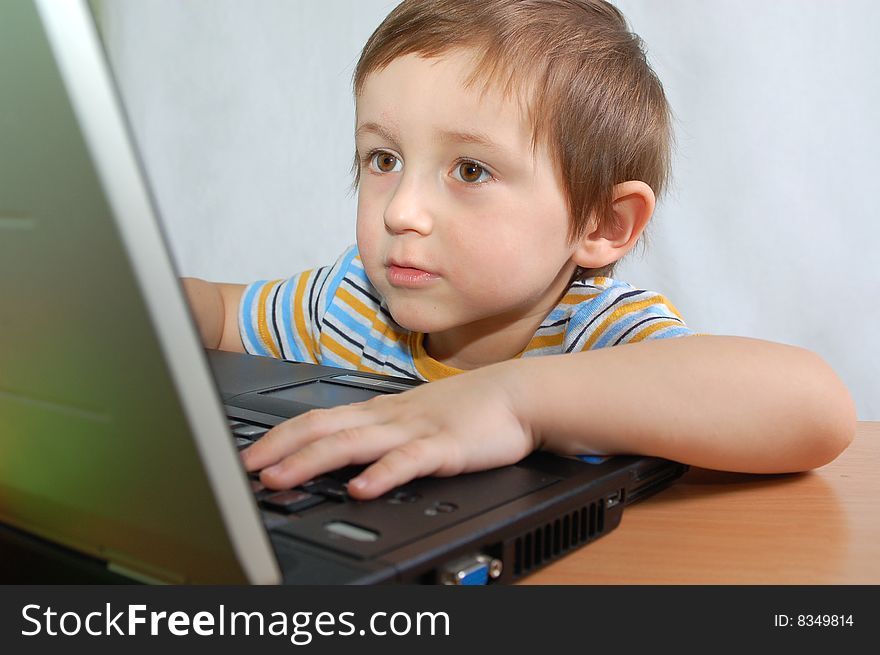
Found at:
<point>544,544</point>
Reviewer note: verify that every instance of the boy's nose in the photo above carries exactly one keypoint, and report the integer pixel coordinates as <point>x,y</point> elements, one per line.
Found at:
<point>407,210</point>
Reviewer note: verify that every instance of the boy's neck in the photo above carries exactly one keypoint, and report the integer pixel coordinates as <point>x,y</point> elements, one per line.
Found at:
<point>475,345</point>
<point>496,338</point>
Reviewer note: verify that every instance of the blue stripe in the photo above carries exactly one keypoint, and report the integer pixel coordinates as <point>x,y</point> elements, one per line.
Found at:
<point>626,322</point>
<point>672,331</point>
<point>369,341</point>
<point>563,311</point>
<point>557,314</point>
<point>585,313</point>
<point>583,335</point>
<point>337,279</point>
<point>287,319</point>
<point>330,358</point>
<point>247,313</point>
<point>359,273</point>
<point>347,320</point>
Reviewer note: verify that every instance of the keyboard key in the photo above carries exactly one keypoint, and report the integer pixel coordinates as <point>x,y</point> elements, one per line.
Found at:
<point>241,443</point>
<point>293,500</point>
<point>403,496</point>
<point>346,473</point>
<point>327,487</point>
<point>273,520</point>
<point>252,432</point>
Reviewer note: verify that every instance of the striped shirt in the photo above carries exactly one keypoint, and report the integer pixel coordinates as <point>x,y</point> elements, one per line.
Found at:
<point>333,316</point>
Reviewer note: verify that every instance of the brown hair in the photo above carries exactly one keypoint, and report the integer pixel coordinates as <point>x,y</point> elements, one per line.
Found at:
<point>581,75</point>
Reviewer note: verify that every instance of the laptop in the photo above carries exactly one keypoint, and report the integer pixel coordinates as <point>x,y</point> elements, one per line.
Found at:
<point>119,433</point>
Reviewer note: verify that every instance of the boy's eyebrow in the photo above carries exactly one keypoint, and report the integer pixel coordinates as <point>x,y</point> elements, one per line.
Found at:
<point>477,138</point>
<point>375,128</point>
<point>453,136</point>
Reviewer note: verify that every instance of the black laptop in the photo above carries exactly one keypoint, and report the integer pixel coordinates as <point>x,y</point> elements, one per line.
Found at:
<point>119,434</point>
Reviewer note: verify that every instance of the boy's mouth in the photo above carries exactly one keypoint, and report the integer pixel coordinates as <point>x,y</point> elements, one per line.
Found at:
<point>408,277</point>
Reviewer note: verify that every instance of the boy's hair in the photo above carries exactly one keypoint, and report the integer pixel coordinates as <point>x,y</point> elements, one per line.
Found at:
<point>580,75</point>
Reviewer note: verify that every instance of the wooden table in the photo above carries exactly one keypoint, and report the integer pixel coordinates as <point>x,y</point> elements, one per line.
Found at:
<point>820,527</point>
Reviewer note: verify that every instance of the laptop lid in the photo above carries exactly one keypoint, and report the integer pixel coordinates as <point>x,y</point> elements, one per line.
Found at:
<point>112,437</point>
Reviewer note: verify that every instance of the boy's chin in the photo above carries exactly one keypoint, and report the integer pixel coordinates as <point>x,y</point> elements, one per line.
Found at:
<point>418,318</point>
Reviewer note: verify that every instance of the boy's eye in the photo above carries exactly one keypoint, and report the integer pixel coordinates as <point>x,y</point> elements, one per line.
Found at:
<point>385,162</point>
<point>471,172</point>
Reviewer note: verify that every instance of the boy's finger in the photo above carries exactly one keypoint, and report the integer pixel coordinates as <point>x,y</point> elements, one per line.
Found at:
<point>296,433</point>
<point>349,446</point>
<point>413,459</point>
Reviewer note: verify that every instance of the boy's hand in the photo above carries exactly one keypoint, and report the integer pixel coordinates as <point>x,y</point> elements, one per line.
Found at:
<point>455,425</point>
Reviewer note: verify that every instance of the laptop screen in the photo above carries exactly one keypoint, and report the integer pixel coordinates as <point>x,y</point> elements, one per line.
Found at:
<point>112,439</point>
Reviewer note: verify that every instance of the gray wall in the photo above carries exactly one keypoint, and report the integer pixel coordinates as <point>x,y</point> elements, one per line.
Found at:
<point>244,114</point>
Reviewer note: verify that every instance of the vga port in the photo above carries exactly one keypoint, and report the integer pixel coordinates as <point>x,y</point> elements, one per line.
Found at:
<point>471,570</point>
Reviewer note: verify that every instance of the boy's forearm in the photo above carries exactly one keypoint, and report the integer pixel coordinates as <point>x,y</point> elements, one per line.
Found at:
<point>206,303</point>
<point>717,402</point>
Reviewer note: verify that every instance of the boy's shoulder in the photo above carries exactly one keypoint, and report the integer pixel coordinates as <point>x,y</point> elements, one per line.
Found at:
<point>594,292</point>
<point>589,293</point>
<point>347,274</point>
<point>349,296</point>
<point>604,311</point>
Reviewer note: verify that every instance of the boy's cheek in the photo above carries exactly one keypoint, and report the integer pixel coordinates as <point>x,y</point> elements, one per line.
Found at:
<point>368,236</point>
<point>370,251</point>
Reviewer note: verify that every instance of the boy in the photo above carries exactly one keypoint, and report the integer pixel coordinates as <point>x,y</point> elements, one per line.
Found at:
<point>507,155</point>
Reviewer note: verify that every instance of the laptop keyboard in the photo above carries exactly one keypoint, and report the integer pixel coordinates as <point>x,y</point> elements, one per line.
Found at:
<point>281,506</point>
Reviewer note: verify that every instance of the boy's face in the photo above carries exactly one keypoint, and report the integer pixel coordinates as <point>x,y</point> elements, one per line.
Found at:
<point>459,222</point>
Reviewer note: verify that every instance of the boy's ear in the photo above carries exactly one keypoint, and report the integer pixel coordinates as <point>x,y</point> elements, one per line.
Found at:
<point>632,205</point>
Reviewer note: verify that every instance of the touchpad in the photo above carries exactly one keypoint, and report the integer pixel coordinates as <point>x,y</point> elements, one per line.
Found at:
<point>294,399</point>
<point>322,393</point>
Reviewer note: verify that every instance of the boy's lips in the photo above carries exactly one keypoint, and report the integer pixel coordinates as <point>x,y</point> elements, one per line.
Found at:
<point>408,274</point>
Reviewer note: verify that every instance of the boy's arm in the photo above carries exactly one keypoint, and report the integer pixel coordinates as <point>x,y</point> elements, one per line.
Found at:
<point>727,403</point>
<point>215,308</point>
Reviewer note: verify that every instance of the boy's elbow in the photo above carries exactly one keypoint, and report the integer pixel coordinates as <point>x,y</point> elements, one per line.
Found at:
<point>841,425</point>
<point>832,415</point>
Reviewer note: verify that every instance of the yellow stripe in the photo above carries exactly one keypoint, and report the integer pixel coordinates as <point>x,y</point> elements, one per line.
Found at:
<point>429,367</point>
<point>380,326</point>
<point>574,298</point>
<point>262,326</point>
<point>546,341</point>
<point>616,315</point>
<point>299,314</point>
<point>648,331</point>
<point>334,346</point>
